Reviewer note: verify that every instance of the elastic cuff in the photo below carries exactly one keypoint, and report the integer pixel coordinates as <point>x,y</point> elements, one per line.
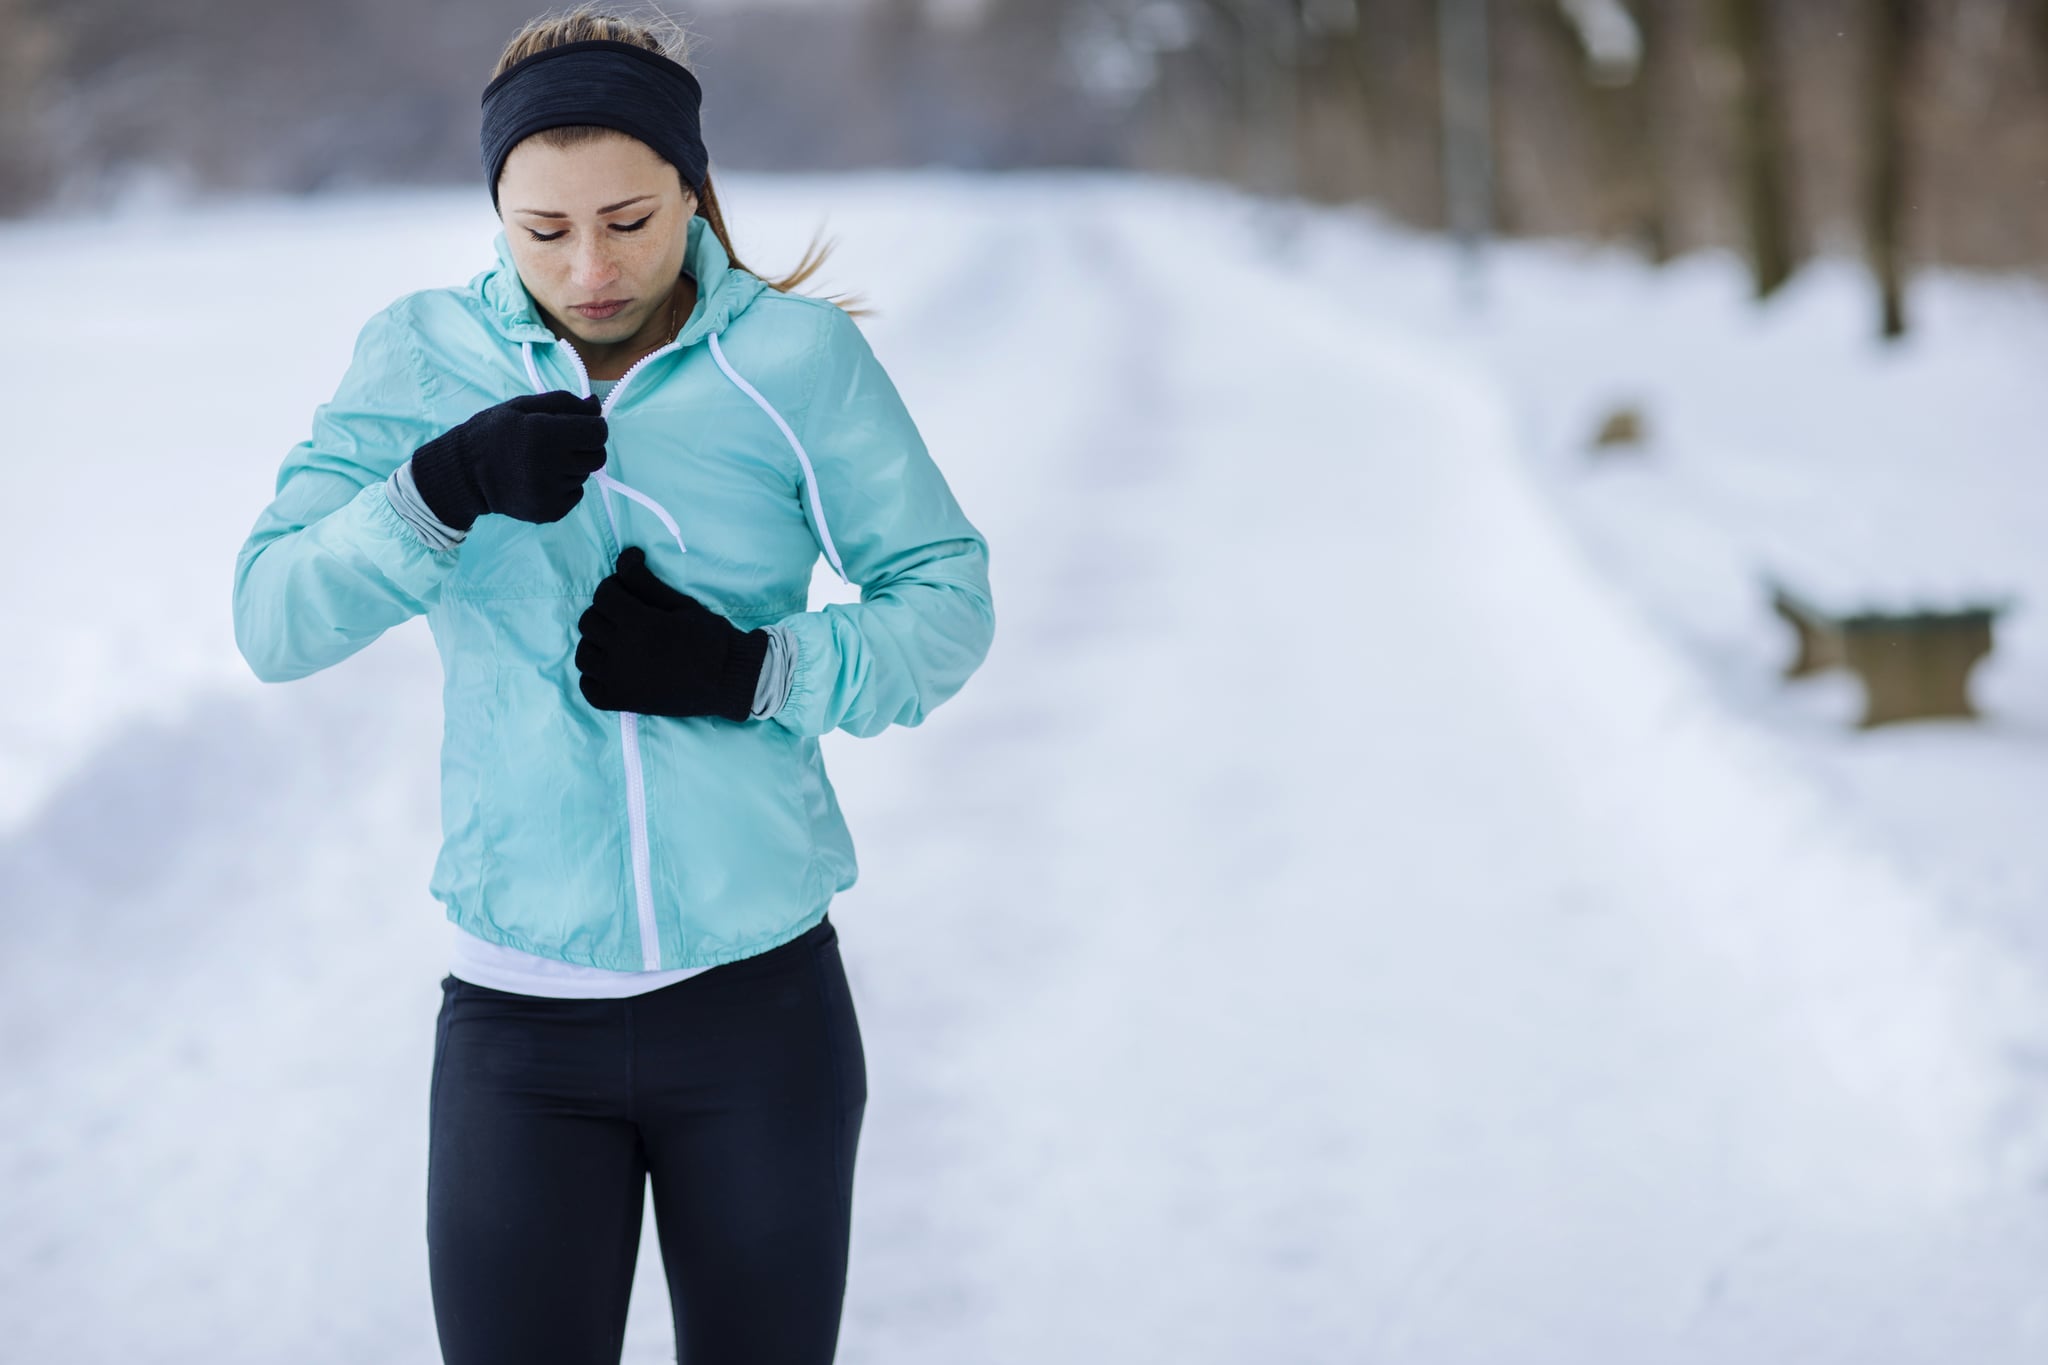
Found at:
<point>406,500</point>
<point>773,689</point>
<point>742,675</point>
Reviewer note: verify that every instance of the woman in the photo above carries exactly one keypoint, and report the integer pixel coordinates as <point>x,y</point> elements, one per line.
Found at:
<point>639,840</point>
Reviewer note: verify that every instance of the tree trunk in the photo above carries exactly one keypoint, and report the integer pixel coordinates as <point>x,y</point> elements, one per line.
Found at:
<point>1618,106</point>
<point>1890,23</point>
<point>1464,59</point>
<point>28,54</point>
<point>1760,124</point>
<point>1653,85</point>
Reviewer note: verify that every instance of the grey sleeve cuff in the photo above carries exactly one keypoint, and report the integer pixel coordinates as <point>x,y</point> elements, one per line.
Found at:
<point>776,671</point>
<point>407,502</point>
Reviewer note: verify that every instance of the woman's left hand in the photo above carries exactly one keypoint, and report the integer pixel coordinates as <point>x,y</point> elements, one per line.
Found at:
<point>649,648</point>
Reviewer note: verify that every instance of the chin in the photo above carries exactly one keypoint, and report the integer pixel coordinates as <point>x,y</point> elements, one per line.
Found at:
<point>602,333</point>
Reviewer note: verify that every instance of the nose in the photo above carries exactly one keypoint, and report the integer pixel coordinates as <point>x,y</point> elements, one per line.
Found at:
<point>591,267</point>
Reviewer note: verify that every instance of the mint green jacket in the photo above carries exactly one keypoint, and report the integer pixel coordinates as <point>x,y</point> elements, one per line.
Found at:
<point>765,434</point>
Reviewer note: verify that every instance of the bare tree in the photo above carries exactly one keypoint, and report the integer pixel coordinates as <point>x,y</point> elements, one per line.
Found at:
<point>1393,46</point>
<point>1653,86</point>
<point>28,58</point>
<point>1611,41</point>
<point>1763,173</point>
<point>1464,45</point>
<point>1890,25</point>
<point>1261,43</point>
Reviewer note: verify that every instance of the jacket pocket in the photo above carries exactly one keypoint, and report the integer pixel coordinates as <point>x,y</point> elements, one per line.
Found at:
<point>553,805</point>
<point>729,830</point>
<point>505,557</point>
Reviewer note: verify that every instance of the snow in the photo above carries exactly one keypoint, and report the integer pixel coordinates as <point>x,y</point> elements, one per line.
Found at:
<point>1376,902</point>
<point>1788,440</point>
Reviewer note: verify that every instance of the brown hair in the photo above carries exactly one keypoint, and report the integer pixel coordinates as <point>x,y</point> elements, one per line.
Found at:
<point>657,34</point>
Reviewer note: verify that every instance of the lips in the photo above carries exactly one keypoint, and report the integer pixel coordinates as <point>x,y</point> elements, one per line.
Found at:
<point>597,312</point>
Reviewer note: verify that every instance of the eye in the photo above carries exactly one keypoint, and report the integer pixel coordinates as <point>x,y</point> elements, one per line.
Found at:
<point>631,227</point>
<point>544,236</point>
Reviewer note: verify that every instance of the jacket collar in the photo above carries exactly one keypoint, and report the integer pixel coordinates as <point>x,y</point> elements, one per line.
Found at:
<point>723,291</point>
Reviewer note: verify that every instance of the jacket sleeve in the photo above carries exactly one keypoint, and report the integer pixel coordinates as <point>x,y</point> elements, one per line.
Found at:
<point>925,620</point>
<point>330,564</point>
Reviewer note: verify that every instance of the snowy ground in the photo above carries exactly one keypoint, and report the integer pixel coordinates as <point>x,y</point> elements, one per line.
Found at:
<point>1882,477</point>
<point>1373,904</point>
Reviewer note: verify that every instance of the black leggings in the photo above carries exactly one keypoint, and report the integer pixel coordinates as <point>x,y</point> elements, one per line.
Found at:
<point>739,1091</point>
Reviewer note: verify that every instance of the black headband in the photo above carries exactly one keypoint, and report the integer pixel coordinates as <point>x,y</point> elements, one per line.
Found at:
<point>611,84</point>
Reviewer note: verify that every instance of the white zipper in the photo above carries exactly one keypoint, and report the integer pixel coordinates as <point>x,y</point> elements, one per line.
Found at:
<point>629,722</point>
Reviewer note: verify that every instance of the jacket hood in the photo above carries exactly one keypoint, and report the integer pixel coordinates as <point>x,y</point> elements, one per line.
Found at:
<point>723,290</point>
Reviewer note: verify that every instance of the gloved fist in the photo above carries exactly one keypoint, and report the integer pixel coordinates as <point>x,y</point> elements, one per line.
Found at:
<point>651,649</point>
<point>526,457</point>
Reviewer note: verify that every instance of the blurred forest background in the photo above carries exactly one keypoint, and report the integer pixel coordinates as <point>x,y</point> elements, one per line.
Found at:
<point>1914,131</point>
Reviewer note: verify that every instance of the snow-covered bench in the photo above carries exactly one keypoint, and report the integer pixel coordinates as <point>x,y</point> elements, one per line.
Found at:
<point>1908,624</point>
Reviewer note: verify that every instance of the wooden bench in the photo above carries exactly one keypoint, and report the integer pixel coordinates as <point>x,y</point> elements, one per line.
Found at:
<point>1913,663</point>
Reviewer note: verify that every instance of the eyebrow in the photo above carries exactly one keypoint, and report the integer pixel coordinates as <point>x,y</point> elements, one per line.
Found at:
<point>608,208</point>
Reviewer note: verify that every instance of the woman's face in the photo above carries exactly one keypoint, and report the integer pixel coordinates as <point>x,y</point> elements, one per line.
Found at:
<point>598,232</point>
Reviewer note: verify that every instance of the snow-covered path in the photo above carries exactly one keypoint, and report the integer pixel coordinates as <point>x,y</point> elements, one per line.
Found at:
<point>1329,928</point>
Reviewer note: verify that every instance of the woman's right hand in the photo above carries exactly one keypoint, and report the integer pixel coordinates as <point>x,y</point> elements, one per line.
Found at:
<point>527,457</point>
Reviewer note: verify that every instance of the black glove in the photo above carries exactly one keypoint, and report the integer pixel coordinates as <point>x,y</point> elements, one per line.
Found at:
<point>526,457</point>
<point>651,649</point>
